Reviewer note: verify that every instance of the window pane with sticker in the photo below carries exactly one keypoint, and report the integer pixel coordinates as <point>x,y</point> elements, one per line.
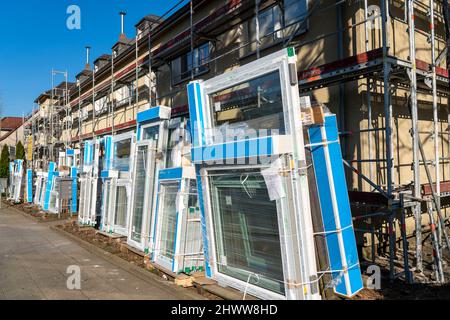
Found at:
<point>246,229</point>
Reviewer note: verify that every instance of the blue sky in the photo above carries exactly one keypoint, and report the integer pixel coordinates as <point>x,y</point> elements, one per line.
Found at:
<point>34,39</point>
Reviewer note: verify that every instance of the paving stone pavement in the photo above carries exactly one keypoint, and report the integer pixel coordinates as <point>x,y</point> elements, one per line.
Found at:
<point>34,261</point>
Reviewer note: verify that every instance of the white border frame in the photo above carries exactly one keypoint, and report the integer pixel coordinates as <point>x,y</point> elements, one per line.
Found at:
<point>228,280</point>
<point>149,182</point>
<point>159,258</point>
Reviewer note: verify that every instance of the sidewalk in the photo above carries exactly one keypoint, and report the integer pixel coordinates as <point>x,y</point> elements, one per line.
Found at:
<point>34,261</point>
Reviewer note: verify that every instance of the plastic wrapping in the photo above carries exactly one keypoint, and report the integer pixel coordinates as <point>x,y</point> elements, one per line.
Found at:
<point>39,184</point>
<point>139,193</point>
<point>178,245</point>
<point>122,155</point>
<point>86,212</point>
<point>260,219</point>
<point>16,172</point>
<point>116,204</point>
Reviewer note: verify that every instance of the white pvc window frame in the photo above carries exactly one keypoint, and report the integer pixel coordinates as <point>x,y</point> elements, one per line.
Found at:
<point>39,186</point>
<point>158,165</point>
<point>42,192</point>
<point>272,63</point>
<point>119,138</point>
<point>148,195</point>
<point>53,206</point>
<point>157,205</point>
<point>110,211</point>
<point>107,195</point>
<point>287,250</point>
<point>304,268</point>
<point>180,259</point>
<point>83,204</point>
<point>160,258</point>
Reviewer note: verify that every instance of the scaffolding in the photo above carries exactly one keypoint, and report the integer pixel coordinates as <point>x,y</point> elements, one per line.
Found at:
<point>386,73</point>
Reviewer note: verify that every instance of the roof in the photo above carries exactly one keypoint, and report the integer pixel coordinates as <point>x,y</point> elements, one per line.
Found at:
<point>59,89</point>
<point>10,123</point>
<point>56,92</point>
<point>45,94</point>
<point>85,72</point>
<point>150,18</point>
<point>105,57</point>
<point>124,41</point>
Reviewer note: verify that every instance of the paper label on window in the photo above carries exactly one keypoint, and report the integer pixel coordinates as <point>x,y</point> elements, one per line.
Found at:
<point>217,106</point>
<point>223,260</point>
<point>228,201</point>
<point>179,202</point>
<point>274,183</point>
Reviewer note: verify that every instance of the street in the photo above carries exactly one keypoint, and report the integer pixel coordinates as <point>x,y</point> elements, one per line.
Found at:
<point>34,261</point>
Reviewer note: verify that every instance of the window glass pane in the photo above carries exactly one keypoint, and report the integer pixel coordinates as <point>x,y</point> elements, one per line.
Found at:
<point>92,199</point>
<point>109,205</point>
<point>169,216</point>
<point>202,58</point>
<point>182,66</point>
<point>53,201</point>
<point>106,196</point>
<point>139,192</point>
<point>121,207</point>
<point>150,133</point>
<point>270,20</point>
<point>176,70</point>
<point>266,22</point>
<point>122,150</point>
<point>246,229</point>
<point>294,10</point>
<point>252,107</point>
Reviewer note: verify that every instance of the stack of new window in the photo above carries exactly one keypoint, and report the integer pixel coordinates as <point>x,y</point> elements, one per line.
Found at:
<point>178,245</point>
<point>245,203</point>
<point>149,158</point>
<point>117,184</point>
<point>249,151</point>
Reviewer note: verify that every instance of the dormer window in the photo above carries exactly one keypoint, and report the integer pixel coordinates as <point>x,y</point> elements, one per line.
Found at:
<point>139,33</point>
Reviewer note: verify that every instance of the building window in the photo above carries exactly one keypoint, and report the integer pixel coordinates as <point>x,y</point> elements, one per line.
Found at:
<point>124,94</point>
<point>195,61</point>
<point>101,105</point>
<point>273,20</point>
<point>84,113</point>
<point>294,11</point>
<point>270,21</point>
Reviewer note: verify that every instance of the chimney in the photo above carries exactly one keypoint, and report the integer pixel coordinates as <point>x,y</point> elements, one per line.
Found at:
<point>122,25</point>
<point>88,54</point>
